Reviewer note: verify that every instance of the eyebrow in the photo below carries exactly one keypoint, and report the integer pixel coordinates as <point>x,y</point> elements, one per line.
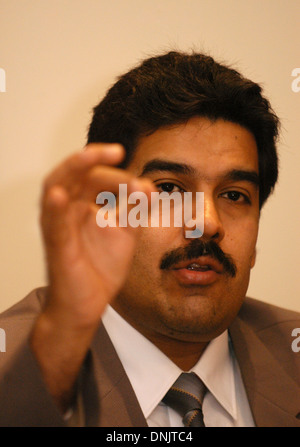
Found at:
<point>182,168</point>
<point>170,166</point>
<point>238,175</point>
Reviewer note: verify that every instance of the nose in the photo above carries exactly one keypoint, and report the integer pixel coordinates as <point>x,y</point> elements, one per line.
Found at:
<point>212,224</point>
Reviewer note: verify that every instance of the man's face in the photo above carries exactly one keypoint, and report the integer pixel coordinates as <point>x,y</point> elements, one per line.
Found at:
<point>195,298</point>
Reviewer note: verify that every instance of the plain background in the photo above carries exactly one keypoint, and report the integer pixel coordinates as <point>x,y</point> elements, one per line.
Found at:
<point>60,56</point>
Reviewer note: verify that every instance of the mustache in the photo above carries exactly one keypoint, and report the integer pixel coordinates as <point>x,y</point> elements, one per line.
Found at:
<point>195,249</point>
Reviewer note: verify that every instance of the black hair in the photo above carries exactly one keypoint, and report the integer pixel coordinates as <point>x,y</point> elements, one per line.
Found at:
<point>172,88</point>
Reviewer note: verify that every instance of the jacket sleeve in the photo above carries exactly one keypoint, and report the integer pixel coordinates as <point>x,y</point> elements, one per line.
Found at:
<point>24,399</point>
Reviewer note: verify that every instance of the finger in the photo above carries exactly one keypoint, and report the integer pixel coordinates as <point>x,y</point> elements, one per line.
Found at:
<point>54,216</point>
<point>112,180</point>
<point>74,168</point>
<point>109,153</point>
<point>61,218</point>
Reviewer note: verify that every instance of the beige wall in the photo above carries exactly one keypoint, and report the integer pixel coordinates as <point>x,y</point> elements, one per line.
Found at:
<point>59,57</point>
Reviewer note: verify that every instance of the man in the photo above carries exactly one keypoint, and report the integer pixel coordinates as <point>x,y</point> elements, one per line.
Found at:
<point>127,310</point>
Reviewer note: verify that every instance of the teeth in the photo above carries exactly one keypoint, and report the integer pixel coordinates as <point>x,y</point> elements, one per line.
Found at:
<point>195,266</point>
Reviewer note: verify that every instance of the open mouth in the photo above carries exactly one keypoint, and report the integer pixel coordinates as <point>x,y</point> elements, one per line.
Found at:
<point>202,264</point>
<point>198,268</point>
<point>202,271</point>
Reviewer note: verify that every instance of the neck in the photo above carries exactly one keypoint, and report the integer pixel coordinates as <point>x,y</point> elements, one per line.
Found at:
<point>184,354</point>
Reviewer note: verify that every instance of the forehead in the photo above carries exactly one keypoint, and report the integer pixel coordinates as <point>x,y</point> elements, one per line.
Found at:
<point>209,148</point>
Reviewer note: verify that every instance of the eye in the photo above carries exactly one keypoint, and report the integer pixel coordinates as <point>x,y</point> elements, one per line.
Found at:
<point>169,187</point>
<point>236,196</point>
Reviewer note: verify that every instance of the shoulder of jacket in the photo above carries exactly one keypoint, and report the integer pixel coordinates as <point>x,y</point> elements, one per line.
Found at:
<point>262,315</point>
<point>28,307</point>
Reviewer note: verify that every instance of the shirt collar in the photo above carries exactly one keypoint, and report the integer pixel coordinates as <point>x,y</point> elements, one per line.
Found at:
<point>154,373</point>
<point>216,370</point>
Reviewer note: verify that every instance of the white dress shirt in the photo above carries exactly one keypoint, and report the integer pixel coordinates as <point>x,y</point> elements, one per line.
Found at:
<point>152,373</point>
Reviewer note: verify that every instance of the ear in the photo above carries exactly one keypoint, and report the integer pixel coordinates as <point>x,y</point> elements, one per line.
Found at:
<point>253,259</point>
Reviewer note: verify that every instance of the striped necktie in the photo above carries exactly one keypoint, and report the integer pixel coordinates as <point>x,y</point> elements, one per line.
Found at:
<point>186,398</point>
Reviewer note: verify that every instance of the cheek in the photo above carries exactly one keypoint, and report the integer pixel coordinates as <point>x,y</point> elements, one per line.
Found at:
<point>253,259</point>
<point>155,242</point>
<point>151,245</point>
<point>241,244</point>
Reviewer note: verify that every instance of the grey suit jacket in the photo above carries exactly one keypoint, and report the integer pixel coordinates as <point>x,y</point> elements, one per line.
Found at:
<point>261,337</point>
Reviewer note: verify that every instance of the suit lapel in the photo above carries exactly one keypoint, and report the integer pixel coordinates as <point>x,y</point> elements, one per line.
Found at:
<point>108,397</point>
<point>273,396</point>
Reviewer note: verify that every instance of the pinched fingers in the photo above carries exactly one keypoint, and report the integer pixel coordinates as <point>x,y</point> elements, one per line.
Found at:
<point>67,182</point>
<point>83,175</point>
<point>70,191</point>
<point>72,171</point>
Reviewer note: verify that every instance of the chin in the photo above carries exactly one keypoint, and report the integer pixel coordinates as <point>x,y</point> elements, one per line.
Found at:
<point>196,328</point>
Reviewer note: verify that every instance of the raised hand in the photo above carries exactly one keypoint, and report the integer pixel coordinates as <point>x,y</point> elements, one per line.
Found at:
<point>86,265</point>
